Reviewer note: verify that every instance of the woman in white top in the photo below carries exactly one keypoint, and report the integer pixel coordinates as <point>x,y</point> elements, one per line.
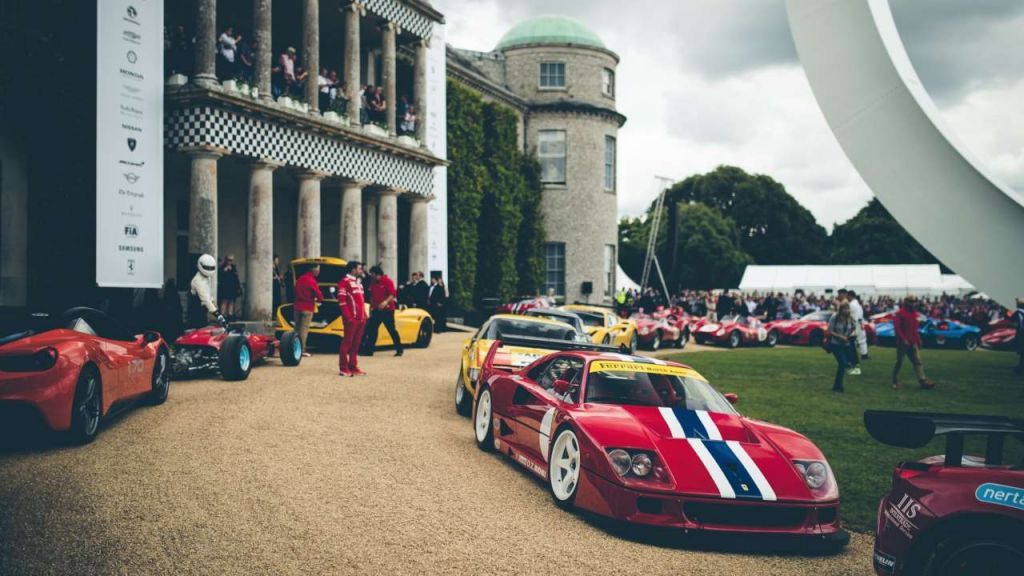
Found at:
<point>227,46</point>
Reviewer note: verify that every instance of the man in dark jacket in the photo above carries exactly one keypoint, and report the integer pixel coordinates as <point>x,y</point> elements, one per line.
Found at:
<point>420,291</point>
<point>437,299</point>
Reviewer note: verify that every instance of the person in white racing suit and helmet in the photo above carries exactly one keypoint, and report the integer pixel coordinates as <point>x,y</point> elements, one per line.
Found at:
<point>201,303</point>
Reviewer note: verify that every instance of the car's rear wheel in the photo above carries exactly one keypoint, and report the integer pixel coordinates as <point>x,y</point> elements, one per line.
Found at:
<point>463,399</point>
<point>816,338</point>
<point>684,339</point>
<point>980,551</point>
<point>735,339</point>
<point>656,342</point>
<point>87,407</point>
<point>773,338</point>
<point>290,349</point>
<point>564,468</point>
<point>483,421</point>
<point>970,342</point>
<point>633,342</point>
<point>425,334</point>
<point>235,358</point>
<point>699,340</point>
<point>161,378</point>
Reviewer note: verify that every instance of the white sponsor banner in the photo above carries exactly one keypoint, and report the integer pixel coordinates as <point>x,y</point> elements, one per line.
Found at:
<point>129,143</point>
<point>437,138</point>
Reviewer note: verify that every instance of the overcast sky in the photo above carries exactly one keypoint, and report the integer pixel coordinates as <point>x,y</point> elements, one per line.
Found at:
<point>709,82</point>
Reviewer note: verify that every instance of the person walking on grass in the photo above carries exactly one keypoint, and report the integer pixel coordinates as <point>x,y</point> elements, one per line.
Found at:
<point>352,302</point>
<point>382,310</point>
<point>841,331</point>
<point>307,295</point>
<point>857,311</point>
<point>908,343</point>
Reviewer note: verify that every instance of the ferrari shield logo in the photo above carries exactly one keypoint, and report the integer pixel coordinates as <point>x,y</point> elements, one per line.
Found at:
<point>131,144</point>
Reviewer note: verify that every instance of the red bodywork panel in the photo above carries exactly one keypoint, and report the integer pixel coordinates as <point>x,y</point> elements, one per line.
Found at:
<point>799,332</point>
<point>751,331</point>
<point>260,345</point>
<point>1001,335</point>
<point>125,369</point>
<point>648,326</point>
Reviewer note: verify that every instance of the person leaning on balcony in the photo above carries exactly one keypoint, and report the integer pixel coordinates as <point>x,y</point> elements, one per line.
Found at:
<point>227,47</point>
<point>307,295</point>
<point>364,103</point>
<point>908,343</point>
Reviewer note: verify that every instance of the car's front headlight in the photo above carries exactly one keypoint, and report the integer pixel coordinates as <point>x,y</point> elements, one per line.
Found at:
<point>818,477</point>
<point>634,464</point>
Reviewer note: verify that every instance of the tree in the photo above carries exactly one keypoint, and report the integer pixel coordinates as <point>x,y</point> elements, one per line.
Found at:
<point>467,178</point>
<point>530,249</point>
<point>873,236</point>
<point>499,218</point>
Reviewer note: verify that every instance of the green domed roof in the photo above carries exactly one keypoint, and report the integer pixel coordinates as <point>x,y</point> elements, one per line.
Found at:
<point>549,30</point>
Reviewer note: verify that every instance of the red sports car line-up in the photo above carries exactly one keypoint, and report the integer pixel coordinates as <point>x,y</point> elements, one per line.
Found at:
<point>810,329</point>
<point>74,369</point>
<point>651,442</point>
<point>653,332</point>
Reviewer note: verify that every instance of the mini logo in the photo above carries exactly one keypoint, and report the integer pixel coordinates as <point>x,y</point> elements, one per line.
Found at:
<point>132,142</point>
<point>131,231</point>
<point>131,177</point>
<point>132,12</point>
<point>132,56</point>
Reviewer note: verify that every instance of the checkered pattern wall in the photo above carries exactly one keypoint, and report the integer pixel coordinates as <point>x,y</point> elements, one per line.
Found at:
<point>248,136</point>
<point>400,14</point>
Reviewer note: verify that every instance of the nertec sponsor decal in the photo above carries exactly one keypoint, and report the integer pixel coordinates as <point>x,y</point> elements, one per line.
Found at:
<point>1000,495</point>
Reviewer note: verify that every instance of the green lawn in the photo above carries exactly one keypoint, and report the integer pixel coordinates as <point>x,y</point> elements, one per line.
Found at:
<point>792,387</point>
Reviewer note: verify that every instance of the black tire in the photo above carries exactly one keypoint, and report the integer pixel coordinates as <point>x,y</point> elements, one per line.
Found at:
<point>425,334</point>
<point>634,341</point>
<point>969,342</point>
<point>656,343</point>
<point>290,349</point>
<point>86,407</point>
<point>684,339</point>
<point>463,399</point>
<point>233,355</point>
<point>816,338</point>
<point>484,439</point>
<point>161,381</point>
<point>735,339</point>
<point>563,502</point>
<point>981,550</point>
<point>773,339</point>
<point>699,340</point>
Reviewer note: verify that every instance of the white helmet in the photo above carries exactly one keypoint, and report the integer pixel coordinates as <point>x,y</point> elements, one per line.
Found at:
<point>207,265</point>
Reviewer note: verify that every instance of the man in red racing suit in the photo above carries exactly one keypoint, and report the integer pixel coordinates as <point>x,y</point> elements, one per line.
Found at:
<point>353,314</point>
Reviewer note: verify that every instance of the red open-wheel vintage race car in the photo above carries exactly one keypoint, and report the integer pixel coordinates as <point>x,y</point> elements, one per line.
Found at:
<point>230,351</point>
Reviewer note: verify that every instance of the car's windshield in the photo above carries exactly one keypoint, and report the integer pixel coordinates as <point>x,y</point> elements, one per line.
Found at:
<point>654,385</point>
<point>591,319</point>
<point>819,316</point>
<point>573,321</point>
<point>502,327</point>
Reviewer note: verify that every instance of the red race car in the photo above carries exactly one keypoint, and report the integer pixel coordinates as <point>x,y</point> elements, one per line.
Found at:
<point>736,331</point>
<point>652,443</point>
<point>230,352</point>
<point>523,303</point>
<point>810,329</point>
<point>653,333</point>
<point>74,368</point>
<point>1000,335</point>
<point>951,514</point>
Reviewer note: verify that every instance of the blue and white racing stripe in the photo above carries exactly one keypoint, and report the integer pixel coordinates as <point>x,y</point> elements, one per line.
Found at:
<point>685,423</point>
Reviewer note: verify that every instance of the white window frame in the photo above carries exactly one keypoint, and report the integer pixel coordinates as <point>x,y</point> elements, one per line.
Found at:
<point>551,76</point>
<point>608,82</point>
<point>559,281</point>
<point>609,176</point>
<point>544,157</point>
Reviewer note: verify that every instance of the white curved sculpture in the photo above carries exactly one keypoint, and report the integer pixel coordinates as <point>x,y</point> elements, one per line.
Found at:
<point>890,130</point>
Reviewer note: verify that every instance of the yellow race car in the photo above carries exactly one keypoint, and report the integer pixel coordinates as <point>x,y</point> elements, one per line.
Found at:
<point>605,327</point>
<point>476,347</point>
<point>415,326</point>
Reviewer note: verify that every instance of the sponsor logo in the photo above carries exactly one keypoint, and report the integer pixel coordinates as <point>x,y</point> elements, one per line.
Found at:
<point>132,143</point>
<point>884,563</point>
<point>131,267</point>
<point>532,466</point>
<point>130,193</point>
<point>131,128</point>
<point>130,111</point>
<point>131,74</point>
<point>131,56</point>
<point>131,15</point>
<point>130,163</point>
<point>902,513</point>
<point>131,36</point>
<point>131,177</point>
<point>126,248</point>
<point>1000,495</point>
<point>612,366</point>
<point>131,231</point>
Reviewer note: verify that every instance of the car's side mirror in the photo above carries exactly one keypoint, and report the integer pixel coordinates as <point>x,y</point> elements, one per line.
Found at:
<point>150,336</point>
<point>732,398</point>
<point>562,387</point>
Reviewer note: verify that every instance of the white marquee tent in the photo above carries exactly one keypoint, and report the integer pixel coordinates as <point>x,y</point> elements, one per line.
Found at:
<point>894,279</point>
<point>623,281</point>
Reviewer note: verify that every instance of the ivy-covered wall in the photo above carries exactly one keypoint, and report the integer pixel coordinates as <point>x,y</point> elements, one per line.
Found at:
<point>495,225</point>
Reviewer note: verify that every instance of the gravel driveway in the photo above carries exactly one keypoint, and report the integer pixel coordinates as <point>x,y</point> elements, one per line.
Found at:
<point>298,471</point>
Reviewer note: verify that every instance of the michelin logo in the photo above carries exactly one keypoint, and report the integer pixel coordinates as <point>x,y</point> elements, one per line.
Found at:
<point>1000,495</point>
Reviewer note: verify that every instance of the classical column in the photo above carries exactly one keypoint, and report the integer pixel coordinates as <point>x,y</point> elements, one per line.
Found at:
<point>311,52</point>
<point>388,32</point>
<point>202,213</point>
<point>308,230</point>
<point>264,56</point>
<point>387,232</point>
<point>351,240</point>
<point>352,14</point>
<point>206,43</point>
<point>259,251</point>
<point>370,232</point>
<point>420,90</point>
<point>418,242</point>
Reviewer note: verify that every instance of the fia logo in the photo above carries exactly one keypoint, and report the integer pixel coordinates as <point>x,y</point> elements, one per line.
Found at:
<point>131,231</point>
<point>908,506</point>
<point>132,142</point>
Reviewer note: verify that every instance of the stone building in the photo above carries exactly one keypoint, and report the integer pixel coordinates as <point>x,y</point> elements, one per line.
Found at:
<point>560,78</point>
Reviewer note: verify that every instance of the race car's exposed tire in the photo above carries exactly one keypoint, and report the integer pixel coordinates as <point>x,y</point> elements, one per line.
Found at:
<point>483,421</point>
<point>564,467</point>
<point>463,399</point>
<point>772,339</point>
<point>969,342</point>
<point>425,334</point>
<point>735,339</point>
<point>161,384</point>
<point>684,339</point>
<point>290,349</point>
<point>235,358</point>
<point>699,339</point>
<point>87,407</point>
<point>633,342</point>
<point>979,550</point>
<point>656,343</point>
<point>816,338</point>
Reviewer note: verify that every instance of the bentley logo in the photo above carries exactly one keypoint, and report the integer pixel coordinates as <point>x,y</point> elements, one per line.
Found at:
<point>132,142</point>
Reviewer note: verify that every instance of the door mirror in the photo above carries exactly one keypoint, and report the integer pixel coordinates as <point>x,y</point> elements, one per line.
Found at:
<point>150,336</point>
<point>562,387</point>
<point>732,398</point>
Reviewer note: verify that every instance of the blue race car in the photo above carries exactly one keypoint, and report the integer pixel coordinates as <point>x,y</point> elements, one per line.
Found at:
<point>935,334</point>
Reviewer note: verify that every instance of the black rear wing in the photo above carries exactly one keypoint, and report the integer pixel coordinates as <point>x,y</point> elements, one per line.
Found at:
<point>917,429</point>
<point>551,344</point>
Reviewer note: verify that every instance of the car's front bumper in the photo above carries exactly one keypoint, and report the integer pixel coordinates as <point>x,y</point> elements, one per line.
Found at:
<point>51,393</point>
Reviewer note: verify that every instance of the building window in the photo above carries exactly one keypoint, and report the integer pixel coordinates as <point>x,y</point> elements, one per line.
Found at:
<point>552,74</point>
<point>551,154</point>
<point>608,82</point>
<point>609,271</point>
<point>609,164</point>
<point>554,268</point>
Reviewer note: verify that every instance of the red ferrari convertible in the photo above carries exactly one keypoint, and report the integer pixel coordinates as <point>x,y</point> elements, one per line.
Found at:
<point>651,442</point>
<point>73,369</point>
<point>1000,335</point>
<point>736,331</point>
<point>653,332</point>
<point>810,329</point>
